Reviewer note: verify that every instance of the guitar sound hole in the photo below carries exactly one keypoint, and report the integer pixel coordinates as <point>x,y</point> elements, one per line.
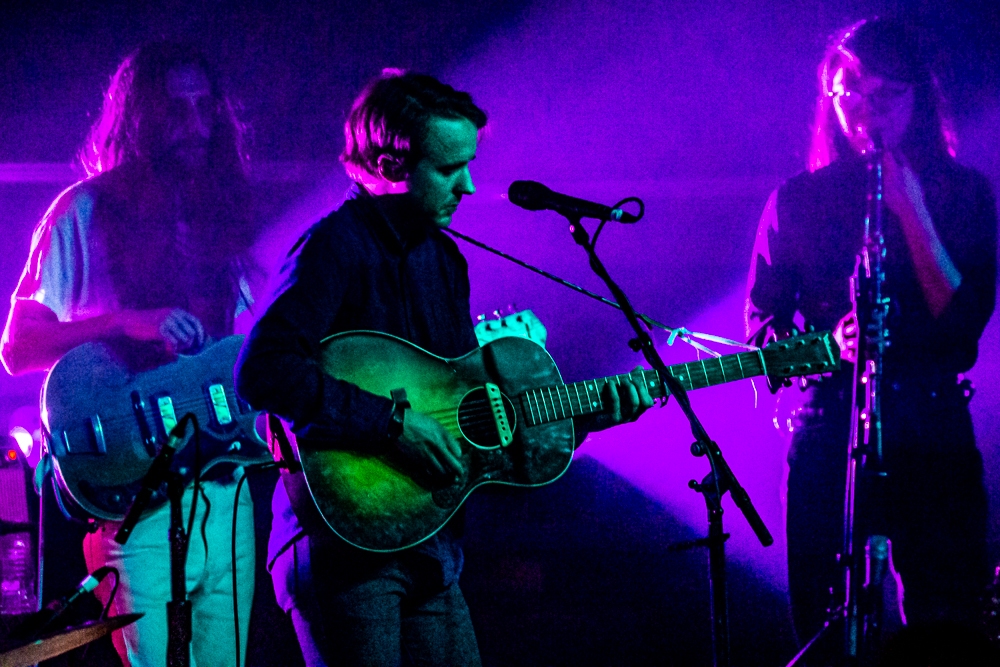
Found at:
<point>475,418</point>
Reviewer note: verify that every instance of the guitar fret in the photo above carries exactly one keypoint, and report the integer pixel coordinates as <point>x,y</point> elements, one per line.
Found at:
<point>718,370</point>
<point>531,410</point>
<point>722,369</point>
<point>568,401</point>
<point>740,361</point>
<point>661,386</point>
<point>685,378</point>
<point>576,388</point>
<point>555,414</point>
<point>650,384</point>
<point>546,408</point>
<point>594,405</point>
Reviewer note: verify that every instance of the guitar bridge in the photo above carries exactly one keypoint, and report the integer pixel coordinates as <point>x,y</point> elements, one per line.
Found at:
<point>499,414</point>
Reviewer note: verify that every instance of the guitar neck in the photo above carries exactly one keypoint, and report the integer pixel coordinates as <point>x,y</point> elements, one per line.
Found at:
<point>547,404</point>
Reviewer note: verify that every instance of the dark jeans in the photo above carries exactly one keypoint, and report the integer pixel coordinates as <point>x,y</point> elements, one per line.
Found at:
<point>933,511</point>
<point>373,609</point>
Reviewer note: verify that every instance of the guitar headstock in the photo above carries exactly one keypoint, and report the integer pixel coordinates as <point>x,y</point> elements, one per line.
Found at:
<point>523,324</point>
<point>808,354</point>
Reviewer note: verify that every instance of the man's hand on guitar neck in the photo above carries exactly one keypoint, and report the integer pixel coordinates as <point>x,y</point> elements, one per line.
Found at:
<point>625,402</point>
<point>429,447</point>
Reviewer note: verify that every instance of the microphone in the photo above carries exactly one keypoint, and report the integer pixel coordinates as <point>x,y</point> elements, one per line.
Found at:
<point>534,196</point>
<point>42,620</point>
<point>155,476</point>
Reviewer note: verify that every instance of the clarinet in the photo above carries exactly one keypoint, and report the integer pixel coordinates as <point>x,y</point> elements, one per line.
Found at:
<point>865,557</point>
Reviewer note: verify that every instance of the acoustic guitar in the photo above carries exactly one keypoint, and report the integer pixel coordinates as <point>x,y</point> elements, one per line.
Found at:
<point>507,405</point>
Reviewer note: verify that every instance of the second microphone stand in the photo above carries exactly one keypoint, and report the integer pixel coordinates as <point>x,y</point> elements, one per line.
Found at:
<point>719,480</point>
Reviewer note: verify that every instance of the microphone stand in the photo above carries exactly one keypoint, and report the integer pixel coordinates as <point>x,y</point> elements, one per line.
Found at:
<point>865,537</point>
<point>179,607</point>
<point>719,480</point>
<point>864,557</point>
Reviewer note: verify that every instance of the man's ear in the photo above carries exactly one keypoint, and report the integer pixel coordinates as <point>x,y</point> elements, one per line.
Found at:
<point>390,167</point>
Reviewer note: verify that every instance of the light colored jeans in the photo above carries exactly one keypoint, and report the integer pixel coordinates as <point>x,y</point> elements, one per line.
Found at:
<point>144,563</point>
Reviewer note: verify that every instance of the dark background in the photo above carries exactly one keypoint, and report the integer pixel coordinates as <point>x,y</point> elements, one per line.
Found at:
<point>700,109</point>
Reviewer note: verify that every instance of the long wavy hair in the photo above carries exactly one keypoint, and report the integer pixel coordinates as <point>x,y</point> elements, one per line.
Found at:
<point>138,208</point>
<point>890,49</point>
<point>130,127</point>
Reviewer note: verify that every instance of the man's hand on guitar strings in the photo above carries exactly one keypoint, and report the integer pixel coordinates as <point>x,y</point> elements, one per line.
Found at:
<point>626,402</point>
<point>429,447</point>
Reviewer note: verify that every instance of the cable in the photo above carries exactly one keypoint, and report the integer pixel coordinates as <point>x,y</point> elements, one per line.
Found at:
<point>638,216</point>
<point>114,592</point>
<point>236,603</point>
<point>204,520</point>
<point>104,612</point>
<point>197,482</point>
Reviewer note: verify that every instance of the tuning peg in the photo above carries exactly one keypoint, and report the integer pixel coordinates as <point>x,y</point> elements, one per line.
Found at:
<point>481,317</point>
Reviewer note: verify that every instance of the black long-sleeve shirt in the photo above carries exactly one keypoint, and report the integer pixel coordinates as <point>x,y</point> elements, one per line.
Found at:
<point>805,253</point>
<point>373,264</point>
<point>370,265</point>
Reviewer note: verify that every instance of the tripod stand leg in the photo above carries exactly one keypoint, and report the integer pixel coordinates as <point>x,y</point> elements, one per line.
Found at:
<point>835,616</point>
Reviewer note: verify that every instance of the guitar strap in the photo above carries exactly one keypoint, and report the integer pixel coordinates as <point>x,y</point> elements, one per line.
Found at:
<point>293,478</point>
<point>285,455</point>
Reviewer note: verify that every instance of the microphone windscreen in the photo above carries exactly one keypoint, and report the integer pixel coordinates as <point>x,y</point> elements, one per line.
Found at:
<point>530,195</point>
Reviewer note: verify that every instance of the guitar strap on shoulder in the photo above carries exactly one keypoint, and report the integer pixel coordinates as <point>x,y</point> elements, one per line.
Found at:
<point>285,455</point>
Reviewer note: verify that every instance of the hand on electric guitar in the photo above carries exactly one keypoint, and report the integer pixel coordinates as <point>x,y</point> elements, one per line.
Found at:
<point>429,447</point>
<point>180,331</point>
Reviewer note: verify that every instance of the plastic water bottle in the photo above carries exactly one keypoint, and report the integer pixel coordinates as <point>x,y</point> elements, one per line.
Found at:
<point>17,575</point>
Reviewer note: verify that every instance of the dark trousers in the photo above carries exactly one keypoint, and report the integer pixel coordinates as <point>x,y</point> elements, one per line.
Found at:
<point>373,609</point>
<point>933,507</point>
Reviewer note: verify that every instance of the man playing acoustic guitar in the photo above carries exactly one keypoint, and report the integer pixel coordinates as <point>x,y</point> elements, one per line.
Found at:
<point>380,263</point>
<point>147,256</point>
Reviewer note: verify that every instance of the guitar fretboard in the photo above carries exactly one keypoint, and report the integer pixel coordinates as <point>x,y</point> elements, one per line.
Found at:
<point>545,404</point>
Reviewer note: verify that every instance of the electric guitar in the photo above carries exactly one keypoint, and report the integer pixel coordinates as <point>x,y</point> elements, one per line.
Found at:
<point>507,405</point>
<point>104,424</point>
